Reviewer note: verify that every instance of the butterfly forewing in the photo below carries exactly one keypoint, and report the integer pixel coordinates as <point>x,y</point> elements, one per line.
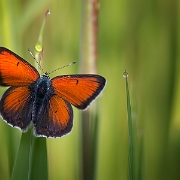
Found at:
<point>14,70</point>
<point>79,90</point>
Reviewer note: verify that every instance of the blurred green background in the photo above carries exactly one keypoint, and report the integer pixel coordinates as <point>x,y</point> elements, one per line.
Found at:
<point>140,36</point>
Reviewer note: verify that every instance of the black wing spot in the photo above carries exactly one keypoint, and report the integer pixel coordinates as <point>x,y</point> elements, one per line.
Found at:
<point>55,112</point>
<point>18,63</point>
<point>77,81</point>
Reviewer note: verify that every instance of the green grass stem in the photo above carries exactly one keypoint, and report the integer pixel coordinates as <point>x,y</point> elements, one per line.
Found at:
<point>32,150</point>
<point>130,130</point>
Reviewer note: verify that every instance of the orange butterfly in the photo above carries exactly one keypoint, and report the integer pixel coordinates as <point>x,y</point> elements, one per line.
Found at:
<point>43,102</point>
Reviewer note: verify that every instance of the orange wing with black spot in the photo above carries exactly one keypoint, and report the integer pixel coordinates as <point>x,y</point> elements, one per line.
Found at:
<point>55,118</point>
<point>14,70</point>
<point>15,107</point>
<point>79,90</point>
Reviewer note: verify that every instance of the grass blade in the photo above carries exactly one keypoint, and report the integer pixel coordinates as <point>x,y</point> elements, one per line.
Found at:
<point>130,127</point>
<point>21,165</point>
<point>38,159</point>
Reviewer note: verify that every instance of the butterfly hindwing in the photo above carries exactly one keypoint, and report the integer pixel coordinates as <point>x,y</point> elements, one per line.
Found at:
<point>79,90</point>
<point>55,118</point>
<point>15,107</point>
<point>14,70</point>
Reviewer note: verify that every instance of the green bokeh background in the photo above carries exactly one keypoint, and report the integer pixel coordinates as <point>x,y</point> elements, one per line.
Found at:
<point>140,36</point>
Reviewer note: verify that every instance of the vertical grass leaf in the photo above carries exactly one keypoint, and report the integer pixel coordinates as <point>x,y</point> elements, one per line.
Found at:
<point>130,128</point>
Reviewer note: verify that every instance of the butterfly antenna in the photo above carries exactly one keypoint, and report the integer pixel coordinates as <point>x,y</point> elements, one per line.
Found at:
<point>39,66</point>
<point>62,67</point>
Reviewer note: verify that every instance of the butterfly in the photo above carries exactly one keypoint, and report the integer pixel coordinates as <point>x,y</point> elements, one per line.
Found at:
<point>43,102</point>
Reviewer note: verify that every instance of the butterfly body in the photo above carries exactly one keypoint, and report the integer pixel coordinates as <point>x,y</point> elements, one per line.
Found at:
<point>41,92</point>
<point>43,102</point>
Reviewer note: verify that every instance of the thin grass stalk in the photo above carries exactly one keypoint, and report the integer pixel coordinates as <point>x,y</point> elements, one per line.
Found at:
<point>130,128</point>
<point>31,161</point>
<point>88,57</point>
<point>39,164</point>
